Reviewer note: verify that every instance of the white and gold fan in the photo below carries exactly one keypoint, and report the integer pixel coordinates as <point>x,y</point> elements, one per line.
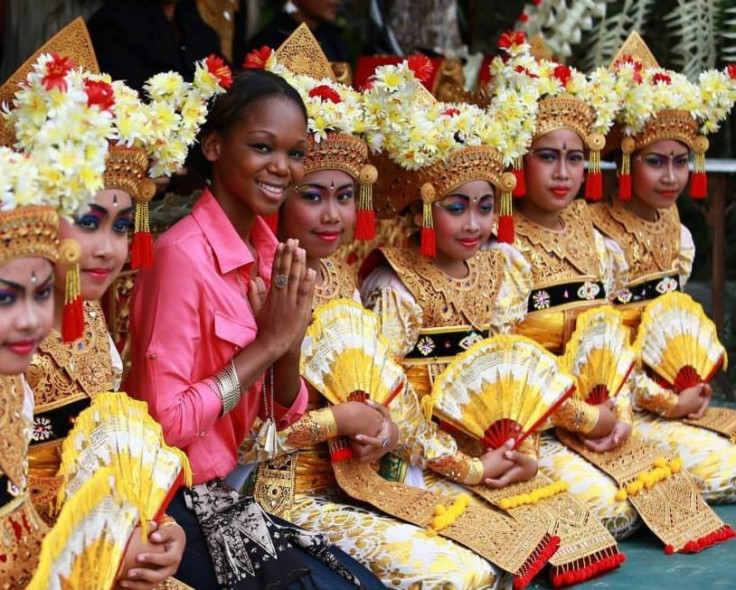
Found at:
<point>86,546</point>
<point>501,388</point>
<point>118,432</point>
<point>678,342</point>
<point>346,357</point>
<point>598,355</point>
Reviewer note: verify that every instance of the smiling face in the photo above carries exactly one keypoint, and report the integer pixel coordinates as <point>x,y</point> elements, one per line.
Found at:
<point>319,212</point>
<point>101,228</point>
<point>257,161</point>
<point>554,170</point>
<point>659,173</point>
<point>463,221</point>
<point>26,310</point>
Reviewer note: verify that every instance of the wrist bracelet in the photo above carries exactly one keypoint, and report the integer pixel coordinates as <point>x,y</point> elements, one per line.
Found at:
<point>228,386</point>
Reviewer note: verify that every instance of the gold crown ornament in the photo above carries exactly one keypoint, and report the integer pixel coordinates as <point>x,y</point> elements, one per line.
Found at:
<point>565,99</point>
<point>657,104</point>
<point>430,148</point>
<point>335,112</point>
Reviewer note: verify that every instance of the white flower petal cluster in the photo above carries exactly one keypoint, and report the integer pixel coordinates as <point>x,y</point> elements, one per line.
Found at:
<point>18,180</point>
<point>64,136</point>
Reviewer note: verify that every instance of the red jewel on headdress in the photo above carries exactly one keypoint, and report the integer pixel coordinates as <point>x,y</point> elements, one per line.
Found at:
<point>99,93</point>
<point>731,71</point>
<point>563,74</point>
<point>217,67</point>
<point>326,94</point>
<point>660,78</point>
<point>257,58</point>
<point>512,39</point>
<point>421,65</point>
<point>56,70</point>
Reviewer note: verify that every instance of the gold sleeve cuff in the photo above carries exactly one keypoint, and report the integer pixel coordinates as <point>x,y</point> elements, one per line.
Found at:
<point>312,428</point>
<point>530,446</point>
<point>623,409</point>
<point>663,402</point>
<point>460,468</point>
<point>576,416</point>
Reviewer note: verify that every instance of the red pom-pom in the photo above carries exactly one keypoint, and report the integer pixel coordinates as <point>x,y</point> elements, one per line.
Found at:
<point>624,187</point>
<point>365,225</point>
<point>257,58</point>
<point>141,251</point>
<point>698,185</point>
<point>523,17</point>
<point>506,229</point>
<point>99,93</point>
<point>72,320</point>
<point>421,65</point>
<point>428,245</point>
<point>594,186</point>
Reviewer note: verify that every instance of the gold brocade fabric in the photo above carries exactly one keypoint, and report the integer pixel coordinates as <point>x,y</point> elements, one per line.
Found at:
<point>337,283</point>
<point>14,431</point>
<point>650,247</point>
<point>446,301</point>
<point>62,373</point>
<point>673,508</point>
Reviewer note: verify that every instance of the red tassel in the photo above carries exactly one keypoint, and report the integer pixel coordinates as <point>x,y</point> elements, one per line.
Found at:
<point>141,254</point>
<point>365,227</point>
<point>72,321</point>
<point>698,185</point>
<point>624,187</point>
<point>429,242</point>
<point>594,186</point>
<point>520,188</point>
<point>506,229</point>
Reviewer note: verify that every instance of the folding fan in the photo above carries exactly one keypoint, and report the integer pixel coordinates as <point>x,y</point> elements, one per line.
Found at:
<point>598,355</point>
<point>678,342</point>
<point>346,357</point>
<point>87,544</point>
<point>118,432</point>
<point>501,388</point>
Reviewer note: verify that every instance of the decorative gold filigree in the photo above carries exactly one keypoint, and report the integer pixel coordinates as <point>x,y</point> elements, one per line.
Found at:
<point>21,533</point>
<point>564,112</point>
<point>14,431</point>
<point>337,151</point>
<point>29,231</point>
<point>302,54</point>
<point>126,169</point>
<point>719,420</point>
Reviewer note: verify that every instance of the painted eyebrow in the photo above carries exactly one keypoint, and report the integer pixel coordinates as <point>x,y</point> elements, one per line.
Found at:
<point>19,287</point>
<point>316,185</point>
<point>686,153</point>
<point>554,149</point>
<point>105,211</point>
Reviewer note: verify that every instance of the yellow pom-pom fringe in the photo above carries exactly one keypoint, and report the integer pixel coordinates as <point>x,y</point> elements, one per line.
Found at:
<point>661,470</point>
<point>533,497</point>
<point>444,516</point>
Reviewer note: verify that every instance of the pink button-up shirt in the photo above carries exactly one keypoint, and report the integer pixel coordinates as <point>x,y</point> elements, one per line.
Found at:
<point>190,315</point>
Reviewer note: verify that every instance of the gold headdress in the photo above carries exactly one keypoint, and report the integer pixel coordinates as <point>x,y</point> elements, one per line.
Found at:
<point>431,148</point>
<point>336,116</point>
<point>661,104</point>
<point>566,99</point>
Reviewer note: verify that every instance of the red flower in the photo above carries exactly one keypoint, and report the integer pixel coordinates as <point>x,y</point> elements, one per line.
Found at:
<point>628,59</point>
<point>511,39</point>
<point>525,71</point>
<point>731,71</point>
<point>523,17</point>
<point>421,65</point>
<point>257,58</point>
<point>219,69</point>
<point>660,78</point>
<point>451,111</point>
<point>563,74</point>
<point>56,71</point>
<point>326,94</point>
<point>99,93</point>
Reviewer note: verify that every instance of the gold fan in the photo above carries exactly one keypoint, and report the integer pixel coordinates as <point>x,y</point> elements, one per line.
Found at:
<point>501,388</point>
<point>87,544</point>
<point>345,356</point>
<point>598,355</point>
<point>118,432</point>
<point>678,342</point>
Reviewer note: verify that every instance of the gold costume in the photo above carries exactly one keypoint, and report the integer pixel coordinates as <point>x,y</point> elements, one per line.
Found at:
<point>299,485</point>
<point>572,272</point>
<point>659,255</point>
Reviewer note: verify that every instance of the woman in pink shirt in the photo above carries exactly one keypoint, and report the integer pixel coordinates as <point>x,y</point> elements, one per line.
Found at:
<point>215,342</point>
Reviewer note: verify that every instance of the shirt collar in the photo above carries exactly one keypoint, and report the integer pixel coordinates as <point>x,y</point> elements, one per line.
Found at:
<point>228,247</point>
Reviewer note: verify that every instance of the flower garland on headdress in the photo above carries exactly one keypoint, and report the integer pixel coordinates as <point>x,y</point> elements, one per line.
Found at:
<point>336,121</point>
<point>565,97</point>
<point>446,144</point>
<point>657,103</point>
